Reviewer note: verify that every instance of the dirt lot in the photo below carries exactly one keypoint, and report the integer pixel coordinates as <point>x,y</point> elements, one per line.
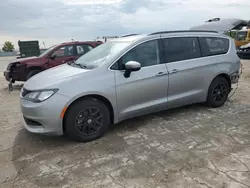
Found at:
<point>187,147</point>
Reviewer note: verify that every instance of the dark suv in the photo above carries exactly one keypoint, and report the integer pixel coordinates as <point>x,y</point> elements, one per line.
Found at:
<point>24,68</point>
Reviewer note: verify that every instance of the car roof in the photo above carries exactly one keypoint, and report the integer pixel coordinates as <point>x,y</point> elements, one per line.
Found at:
<point>132,38</point>
<point>136,37</point>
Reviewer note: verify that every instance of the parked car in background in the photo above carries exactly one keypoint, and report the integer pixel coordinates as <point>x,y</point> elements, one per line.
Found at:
<point>242,37</point>
<point>128,77</point>
<point>244,51</point>
<point>236,28</point>
<point>24,68</point>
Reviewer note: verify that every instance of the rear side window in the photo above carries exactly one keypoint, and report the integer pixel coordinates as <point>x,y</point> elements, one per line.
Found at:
<point>181,48</point>
<point>214,46</point>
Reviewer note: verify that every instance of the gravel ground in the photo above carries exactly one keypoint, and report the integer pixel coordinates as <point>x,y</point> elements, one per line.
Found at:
<point>4,62</point>
<point>187,147</point>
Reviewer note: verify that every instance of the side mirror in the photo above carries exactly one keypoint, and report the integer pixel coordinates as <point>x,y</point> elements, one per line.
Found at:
<point>131,66</point>
<point>53,56</point>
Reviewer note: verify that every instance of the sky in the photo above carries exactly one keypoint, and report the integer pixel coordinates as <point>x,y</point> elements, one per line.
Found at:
<point>57,21</point>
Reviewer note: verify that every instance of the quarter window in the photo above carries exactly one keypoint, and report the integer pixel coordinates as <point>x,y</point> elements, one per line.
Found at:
<point>181,48</point>
<point>147,54</point>
<point>214,46</point>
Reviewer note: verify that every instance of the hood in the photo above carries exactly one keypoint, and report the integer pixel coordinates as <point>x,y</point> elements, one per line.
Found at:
<point>27,59</point>
<point>46,79</point>
<point>246,46</point>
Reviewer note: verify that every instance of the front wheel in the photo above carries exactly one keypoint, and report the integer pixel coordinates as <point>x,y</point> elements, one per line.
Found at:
<point>218,92</point>
<point>32,73</point>
<point>87,120</point>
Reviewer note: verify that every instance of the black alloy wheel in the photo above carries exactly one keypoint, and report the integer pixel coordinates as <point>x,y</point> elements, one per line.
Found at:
<point>86,120</point>
<point>218,92</point>
<point>89,121</point>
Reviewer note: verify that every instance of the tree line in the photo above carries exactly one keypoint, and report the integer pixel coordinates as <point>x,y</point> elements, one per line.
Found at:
<point>8,47</point>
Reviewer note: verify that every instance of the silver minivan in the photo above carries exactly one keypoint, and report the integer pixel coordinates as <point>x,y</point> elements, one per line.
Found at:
<point>128,77</point>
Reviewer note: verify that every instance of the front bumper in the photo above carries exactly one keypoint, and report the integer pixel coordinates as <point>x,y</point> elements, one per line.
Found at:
<point>15,72</point>
<point>44,117</point>
<point>7,75</point>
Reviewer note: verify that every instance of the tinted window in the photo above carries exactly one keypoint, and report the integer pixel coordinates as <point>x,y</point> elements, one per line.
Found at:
<point>83,48</point>
<point>64,51</point>
<point>214,46</point>
<point>147,54</point>
<point>178,49</point>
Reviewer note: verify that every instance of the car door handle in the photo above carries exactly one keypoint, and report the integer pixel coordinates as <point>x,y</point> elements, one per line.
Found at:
<point>174,71</point>
<point>161,74</point>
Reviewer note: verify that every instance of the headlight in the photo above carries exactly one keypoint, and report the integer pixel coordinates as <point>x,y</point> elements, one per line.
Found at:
<point>40,96</point>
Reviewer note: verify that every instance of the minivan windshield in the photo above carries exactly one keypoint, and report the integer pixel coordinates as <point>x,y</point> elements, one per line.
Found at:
<point>100,54</point>
<point>47,51</point>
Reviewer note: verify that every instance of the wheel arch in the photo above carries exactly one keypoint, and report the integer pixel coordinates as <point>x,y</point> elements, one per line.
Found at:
<point>223,75</point>
<point>94,96</point>
<point>30,68</point>
<point>227,77</point>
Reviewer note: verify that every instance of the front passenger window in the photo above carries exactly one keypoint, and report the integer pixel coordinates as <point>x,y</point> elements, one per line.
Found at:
<point>64,51</point>
<point>147,54</point>
<point>83,49</point>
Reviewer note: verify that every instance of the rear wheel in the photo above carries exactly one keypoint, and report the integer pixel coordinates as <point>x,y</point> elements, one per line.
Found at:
<point>218,92</point>
<point>32,73</point>
<point>87,120</point>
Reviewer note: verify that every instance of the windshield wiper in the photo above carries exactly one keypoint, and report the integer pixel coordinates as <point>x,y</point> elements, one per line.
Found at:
<point>71,62</point>
<point>80,65</point>
<point>77,64</point>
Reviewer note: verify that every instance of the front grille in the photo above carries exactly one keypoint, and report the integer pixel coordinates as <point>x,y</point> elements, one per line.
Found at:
<point>24,92</point>
<point>31,122</point>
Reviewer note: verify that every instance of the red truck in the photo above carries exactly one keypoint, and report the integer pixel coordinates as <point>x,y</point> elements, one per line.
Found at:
<point>24,68</point>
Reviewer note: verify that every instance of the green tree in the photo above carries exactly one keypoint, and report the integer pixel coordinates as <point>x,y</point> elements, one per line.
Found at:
<point>8,47</point>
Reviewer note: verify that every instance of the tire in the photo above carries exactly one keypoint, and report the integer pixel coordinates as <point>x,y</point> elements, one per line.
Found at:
<point>218,92</point>
<point>32,73</point>
<point>78,120</point>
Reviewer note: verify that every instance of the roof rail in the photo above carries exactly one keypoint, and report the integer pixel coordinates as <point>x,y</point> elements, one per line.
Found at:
<point>184,31</point>
<point>129,35</point>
